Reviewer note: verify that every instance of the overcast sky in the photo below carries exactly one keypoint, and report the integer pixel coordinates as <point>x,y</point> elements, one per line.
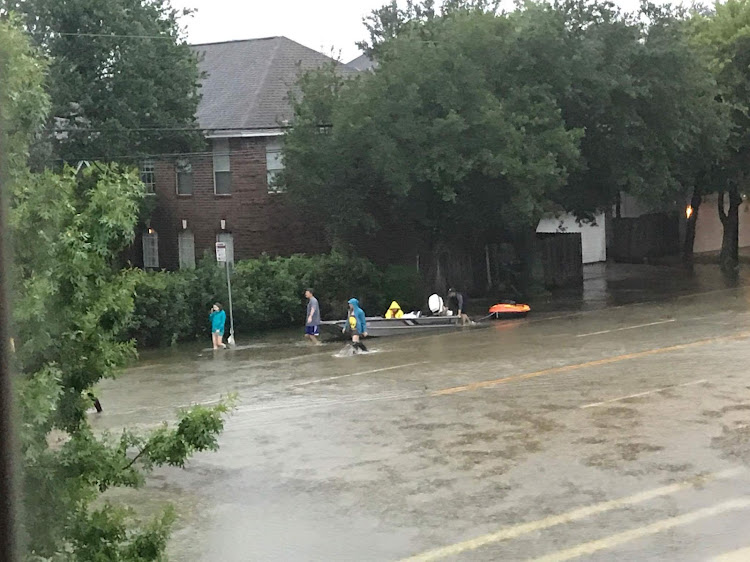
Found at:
<point>318,24</point>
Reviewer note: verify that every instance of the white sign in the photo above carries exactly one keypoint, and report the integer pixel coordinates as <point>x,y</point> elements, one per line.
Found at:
<point>221,252</point>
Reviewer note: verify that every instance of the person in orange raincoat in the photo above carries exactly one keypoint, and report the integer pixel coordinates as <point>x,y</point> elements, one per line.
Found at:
<point>394,311</point>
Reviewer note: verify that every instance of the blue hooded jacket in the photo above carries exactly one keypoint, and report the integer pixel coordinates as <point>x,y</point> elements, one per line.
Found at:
<point>218,319</point>
<point>359,314</point>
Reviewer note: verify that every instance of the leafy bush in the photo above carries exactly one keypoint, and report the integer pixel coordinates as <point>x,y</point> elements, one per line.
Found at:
<point>163,309</point>
<point>337,278</point>
<point>405,285</point>
<point>267,293</point>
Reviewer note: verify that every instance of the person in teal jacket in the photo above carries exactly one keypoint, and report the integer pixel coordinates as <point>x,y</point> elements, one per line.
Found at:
<point>218,319</point>
<point>357,324</point>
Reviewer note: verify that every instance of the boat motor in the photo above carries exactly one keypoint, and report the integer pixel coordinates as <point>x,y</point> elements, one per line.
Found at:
<point>436,304</point>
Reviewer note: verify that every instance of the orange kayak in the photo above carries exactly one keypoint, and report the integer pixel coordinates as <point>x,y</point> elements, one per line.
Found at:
<point>509,310</point>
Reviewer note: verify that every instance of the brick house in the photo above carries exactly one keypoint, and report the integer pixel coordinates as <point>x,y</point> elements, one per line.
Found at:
<point>225,194</point>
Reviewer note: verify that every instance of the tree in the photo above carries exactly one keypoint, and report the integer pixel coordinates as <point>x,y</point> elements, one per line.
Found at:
<point>477,122</point>
<point>71,305</point>
<point>638,89</point>
<point>451,133</point>
<point>123,81</point>
<point>724,34</point>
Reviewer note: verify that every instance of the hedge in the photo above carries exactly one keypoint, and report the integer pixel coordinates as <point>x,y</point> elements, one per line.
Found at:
<point>267,293</point>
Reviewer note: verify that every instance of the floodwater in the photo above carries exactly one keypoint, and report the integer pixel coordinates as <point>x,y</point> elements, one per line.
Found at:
<point>611,424</point>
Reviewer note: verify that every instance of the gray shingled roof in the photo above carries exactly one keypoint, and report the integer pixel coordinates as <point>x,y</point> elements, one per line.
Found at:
<point>362,62</point>
<point>247,82</point>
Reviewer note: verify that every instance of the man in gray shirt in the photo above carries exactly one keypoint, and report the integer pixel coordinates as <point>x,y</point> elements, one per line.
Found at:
<point>312,319</point>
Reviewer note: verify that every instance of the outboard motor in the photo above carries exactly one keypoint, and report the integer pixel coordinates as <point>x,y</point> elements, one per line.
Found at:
<point>435,302</point>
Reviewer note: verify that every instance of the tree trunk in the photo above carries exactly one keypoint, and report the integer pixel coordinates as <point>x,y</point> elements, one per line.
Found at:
<point>618,205</point>
<point>729,257</point>
<point>695,203</point>
<point>530,264</point>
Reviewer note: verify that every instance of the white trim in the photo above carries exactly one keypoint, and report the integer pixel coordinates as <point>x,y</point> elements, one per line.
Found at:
<point>226,134</point>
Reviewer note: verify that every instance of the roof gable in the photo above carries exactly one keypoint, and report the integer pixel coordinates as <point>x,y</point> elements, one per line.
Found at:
<point>247,83</point>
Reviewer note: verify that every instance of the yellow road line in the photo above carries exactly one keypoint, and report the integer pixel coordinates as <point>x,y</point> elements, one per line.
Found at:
<point>652,529</point>
<point>587,364</point>
<point>741,555</point>
<point>570,516</point>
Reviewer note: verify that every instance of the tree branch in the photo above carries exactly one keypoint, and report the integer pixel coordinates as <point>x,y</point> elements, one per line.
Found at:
<point>135,458</point>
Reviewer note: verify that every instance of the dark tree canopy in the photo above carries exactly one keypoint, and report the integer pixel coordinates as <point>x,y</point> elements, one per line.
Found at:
<point>475,122</point>
<point>123,82</point>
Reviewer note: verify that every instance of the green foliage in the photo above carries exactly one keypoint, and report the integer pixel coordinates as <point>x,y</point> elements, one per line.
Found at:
<point>478,122</point>
<point>164,310</point>
<point>71,305</point>
<point>122,78</point>
<point>644,96</point>
<point>724,37</point>
<point>23,103</point>
<point>473,147</point>
<point>404,284</point>
<point>267,293</point>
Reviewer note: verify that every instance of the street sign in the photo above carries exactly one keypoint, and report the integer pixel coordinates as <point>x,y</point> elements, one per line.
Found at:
<point>221,252</point>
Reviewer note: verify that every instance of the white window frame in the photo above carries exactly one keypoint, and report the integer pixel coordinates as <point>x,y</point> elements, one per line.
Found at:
<point>222,162</point>
<point>183,166</point>
<point>186,257</point>
<point>147,171</point>
<point>274,164</point>
<point>150,249</point>
<point>228,239</point>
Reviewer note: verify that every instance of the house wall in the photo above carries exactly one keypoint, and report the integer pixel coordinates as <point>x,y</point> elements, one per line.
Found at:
<point>260,222</point>
<point>708,229</point>
<point>593,236</point>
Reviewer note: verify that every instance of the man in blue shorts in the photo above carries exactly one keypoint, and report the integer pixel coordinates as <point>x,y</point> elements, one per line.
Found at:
<point>312,320</point>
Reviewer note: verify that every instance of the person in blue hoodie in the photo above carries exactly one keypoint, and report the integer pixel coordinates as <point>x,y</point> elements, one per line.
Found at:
<point>218,319</point>
<point>357,324</point>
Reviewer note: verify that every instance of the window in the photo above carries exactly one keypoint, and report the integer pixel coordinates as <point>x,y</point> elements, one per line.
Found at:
<point>186,243</point>
<point>222,171</point>
<point>228,239</point>
<point>274,164</point>
<point>150,249</point>
<point>184,172</point>
<point>148,176</point>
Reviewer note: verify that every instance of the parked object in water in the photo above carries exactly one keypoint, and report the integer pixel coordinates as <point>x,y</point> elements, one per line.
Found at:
<point>509,309</point>
<point>411,323</point>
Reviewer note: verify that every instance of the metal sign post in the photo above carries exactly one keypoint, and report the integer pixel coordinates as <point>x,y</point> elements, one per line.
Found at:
<point>221,256</point>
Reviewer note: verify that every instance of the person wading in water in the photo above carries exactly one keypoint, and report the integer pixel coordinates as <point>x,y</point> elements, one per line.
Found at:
<point>218,318</point>
<point>356,325</point>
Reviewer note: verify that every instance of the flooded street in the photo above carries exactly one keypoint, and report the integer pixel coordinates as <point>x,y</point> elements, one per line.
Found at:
<point>608,425</point>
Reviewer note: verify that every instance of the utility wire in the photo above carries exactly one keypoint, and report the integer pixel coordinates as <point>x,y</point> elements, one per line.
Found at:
<point>154,156</point>
<point>112,35</point>
<point>142,129</point>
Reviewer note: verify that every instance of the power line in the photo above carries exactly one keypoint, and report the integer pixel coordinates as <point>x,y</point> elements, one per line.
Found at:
<point>112,35</point>
<point>154,156</point>
<point>142,129</point>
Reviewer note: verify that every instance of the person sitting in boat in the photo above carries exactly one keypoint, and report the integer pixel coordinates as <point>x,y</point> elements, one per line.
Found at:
<point>394,311</point>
